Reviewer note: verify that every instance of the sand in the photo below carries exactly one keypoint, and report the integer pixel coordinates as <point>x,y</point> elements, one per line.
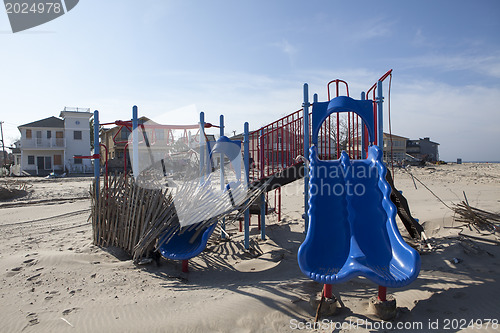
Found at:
<point>52,279</point>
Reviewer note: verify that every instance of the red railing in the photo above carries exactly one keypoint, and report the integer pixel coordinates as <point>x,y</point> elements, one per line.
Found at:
<point>276,146</point>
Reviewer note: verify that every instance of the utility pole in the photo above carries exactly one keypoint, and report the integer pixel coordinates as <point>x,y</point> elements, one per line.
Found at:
<point>3,144</point>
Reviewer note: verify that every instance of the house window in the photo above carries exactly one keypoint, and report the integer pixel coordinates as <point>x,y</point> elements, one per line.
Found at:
<point>57,160</point>
<point>28,135</point>
<point>77,135</point>
<point>49,134</point>
<point>59,138</point>
<point>31,159</point>
<point>77,160</point>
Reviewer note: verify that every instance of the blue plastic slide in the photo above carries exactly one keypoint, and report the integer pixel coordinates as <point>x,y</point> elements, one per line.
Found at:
<point>352,230</point>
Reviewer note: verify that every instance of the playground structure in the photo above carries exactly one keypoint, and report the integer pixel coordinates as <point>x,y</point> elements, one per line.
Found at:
<point>339,244</point>
<point>158,208</point>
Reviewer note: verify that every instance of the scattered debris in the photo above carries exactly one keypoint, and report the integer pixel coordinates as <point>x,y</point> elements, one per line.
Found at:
<point>476,218</point>
<point>14,189</point>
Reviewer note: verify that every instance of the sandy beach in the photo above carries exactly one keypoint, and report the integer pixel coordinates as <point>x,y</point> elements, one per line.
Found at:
<point>53,279</point>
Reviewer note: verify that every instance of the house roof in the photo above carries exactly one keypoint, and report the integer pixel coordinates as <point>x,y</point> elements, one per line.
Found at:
<point>428,140</point>
<point>47,122</point>
<point>423,140</point>
<point>394,136</point>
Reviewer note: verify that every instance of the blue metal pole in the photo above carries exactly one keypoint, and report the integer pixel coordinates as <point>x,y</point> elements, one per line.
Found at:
<point>246,160</point>
<point>97,162</point>
<point>135,142</point>
<point>97,149</point>
<point>380,115</point>
<point>263,195</point>
<point>222,181</point>
<point>363,138</point>
<point>202,148</point>
<point>305,106</point>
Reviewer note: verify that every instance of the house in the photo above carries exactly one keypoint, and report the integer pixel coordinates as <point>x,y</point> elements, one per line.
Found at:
<point>423,149</point>
<point>115,140</point>
<point>398,147</point>
<point>51,144</point>
<point>15,169</point>
<point>161,140</point>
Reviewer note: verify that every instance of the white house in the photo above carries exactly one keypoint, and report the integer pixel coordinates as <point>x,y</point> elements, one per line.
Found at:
<point>51,144</point>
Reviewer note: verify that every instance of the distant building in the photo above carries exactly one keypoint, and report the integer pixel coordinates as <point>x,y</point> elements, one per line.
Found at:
<point>15,169</point>
<point>161,141</point>
<point>398,147</point>
<point>423,149</point>
<point>115,139</point>
<point>51,144</point>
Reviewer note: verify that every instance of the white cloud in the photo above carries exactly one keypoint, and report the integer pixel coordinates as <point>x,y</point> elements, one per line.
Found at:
<point>373,28</point>
<point>463,120</point>
<point>482,64</point>
<point>288,49</point>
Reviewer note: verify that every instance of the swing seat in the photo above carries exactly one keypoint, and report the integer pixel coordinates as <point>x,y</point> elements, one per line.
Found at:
<point>182,247</point>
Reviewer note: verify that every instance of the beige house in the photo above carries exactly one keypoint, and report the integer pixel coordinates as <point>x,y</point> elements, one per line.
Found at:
<point>398,148</point>
<point>115,140</point>
<point>161,140</point>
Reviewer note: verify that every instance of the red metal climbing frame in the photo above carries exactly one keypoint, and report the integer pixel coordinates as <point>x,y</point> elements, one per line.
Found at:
<point>277,146</point>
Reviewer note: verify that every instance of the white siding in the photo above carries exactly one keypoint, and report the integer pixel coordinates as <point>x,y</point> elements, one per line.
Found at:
<point>77,122</point>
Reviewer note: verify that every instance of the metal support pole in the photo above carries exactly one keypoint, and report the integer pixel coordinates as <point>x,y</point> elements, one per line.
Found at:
<point>3,145</point>
<point>380,116</point>
<point>263,195</point>
<point>97,163</point>
<point>327,290</point>
<point>382,293</point>
<point>306,156</point>
<point>363,136</point>
<point>135,142</point>
<point>185,266</point>
<point>246,151</point>
<point>380,125</point>
<point>263,216</point>
<point>97,149</point>
<point>202,148</point>
<point>222,181</point>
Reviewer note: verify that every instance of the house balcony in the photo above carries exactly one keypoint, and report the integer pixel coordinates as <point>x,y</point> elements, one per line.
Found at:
<point>43,143</point>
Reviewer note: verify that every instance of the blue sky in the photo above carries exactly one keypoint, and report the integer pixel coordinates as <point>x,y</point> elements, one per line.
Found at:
<point>248,60</point>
